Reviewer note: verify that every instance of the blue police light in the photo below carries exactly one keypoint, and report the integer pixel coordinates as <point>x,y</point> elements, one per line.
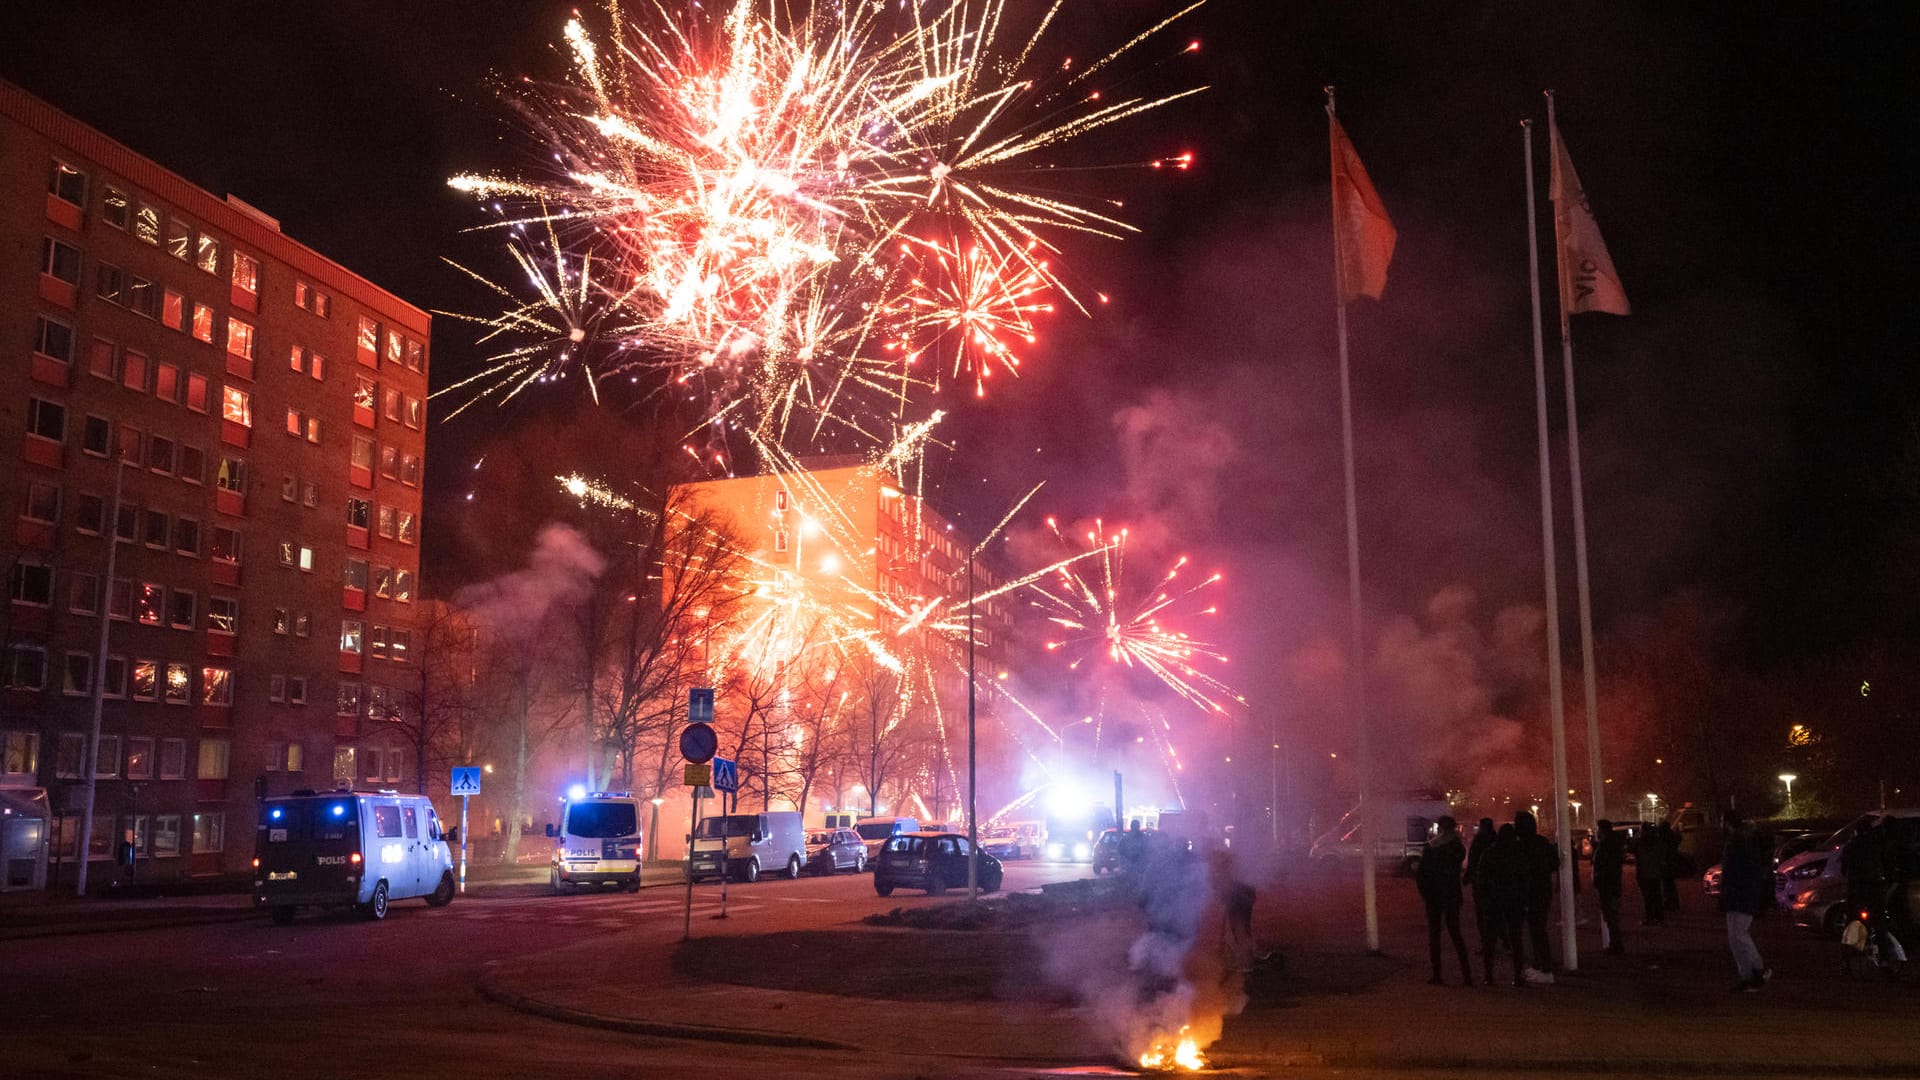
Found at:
<point>276,813</point>
<point>339,809</point>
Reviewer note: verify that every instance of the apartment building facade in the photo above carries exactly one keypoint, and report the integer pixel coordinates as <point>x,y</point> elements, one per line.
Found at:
<point>244,420</point>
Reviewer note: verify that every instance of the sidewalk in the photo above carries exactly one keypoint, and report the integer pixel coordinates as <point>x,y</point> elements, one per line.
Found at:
<point>41,914</point>
<point>1666,1008</point>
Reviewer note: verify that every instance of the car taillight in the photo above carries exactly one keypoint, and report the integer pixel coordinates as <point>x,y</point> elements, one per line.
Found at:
<point>354,858</point>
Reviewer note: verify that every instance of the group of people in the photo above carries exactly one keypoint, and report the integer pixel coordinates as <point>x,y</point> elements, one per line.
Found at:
<point>1513,872</point>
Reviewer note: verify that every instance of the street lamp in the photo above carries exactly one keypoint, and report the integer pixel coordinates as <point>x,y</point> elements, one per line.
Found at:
<point>1788,778</point>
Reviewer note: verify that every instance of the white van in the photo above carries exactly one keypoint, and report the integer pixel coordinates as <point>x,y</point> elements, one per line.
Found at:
<point>597,842</point>
<point>360,848</point>
<point>1401,826</point>
<point>775,841</point>
<point>876,831</point>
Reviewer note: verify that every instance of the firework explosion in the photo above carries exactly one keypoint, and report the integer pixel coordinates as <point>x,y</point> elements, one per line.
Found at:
<point>1099,612</point>
<point>780,208</point>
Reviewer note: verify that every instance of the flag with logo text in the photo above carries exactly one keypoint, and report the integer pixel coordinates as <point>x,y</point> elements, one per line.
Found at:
<point>1588,281</point>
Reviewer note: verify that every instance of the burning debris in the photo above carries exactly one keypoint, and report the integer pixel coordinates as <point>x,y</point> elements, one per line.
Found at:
<point>1185,973</point>
<point>1178,1052</point>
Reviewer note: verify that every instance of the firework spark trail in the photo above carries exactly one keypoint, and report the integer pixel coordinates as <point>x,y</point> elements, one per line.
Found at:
<point>1102,612</point>
<point>760,179</point>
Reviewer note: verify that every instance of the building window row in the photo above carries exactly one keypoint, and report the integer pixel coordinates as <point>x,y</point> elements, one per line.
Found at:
<point>295,490</point>
<point>138,372</point>
<point>401,350</point>
<point>402,408</point>
<point>303,425</point>
<point>297,623</point>
<point>145,758</point>
<point>293,554</point>
<point>305,361</point>
<point>287,690</point>
<point>308,298</point>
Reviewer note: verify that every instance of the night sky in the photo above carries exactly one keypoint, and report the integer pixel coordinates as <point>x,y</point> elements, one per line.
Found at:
<point>1752,439</point>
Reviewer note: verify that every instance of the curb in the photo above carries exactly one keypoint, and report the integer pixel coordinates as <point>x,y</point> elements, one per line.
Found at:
<point>1581,1066</point>
<point>742,1036</point>
<point>75,929</point>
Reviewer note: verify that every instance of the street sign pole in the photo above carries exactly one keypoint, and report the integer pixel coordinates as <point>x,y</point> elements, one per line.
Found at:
<point>693,822</point>
<point>463,845</point>
<point>727,800</point>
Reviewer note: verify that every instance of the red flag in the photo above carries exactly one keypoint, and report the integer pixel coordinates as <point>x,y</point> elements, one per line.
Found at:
<point>1362,235</point>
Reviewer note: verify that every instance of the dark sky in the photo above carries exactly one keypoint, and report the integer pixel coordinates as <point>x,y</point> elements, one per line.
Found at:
<point>1750,429</point>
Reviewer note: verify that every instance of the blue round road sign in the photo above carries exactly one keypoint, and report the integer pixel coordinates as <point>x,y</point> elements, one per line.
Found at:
<point>698,743</point>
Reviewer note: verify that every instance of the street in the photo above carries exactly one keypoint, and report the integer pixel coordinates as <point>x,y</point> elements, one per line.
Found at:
<point>439,993</point>
<point>333,992</point>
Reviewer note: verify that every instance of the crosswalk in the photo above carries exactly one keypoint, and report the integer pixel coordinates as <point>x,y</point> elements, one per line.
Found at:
<point>616,911</point>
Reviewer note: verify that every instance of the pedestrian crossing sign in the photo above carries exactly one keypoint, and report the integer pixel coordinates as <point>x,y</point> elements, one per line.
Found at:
<point>466,780</point>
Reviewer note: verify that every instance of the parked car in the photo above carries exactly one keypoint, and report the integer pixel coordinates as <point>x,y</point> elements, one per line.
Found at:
<point>829,850</point>
<point>1810,887</point>
<point>932,861</point>
<point>1401,827</point>
<point>773,841</point>
<point>1106,852</point>
<point>1012,841</point>
<point>876,831</point>
<point>597,842</point>
<point>359,848</point>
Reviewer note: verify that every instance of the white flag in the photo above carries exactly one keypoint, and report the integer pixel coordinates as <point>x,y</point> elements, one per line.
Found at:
<point>1588,281</point>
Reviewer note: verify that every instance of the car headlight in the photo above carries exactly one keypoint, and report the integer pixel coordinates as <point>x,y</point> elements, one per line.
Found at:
<point>1056,850</point>
<point>1081,851</point>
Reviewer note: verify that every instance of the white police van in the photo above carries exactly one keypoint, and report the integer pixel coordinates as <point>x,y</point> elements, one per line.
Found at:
<point>598,842</point>
<point>340,848</point>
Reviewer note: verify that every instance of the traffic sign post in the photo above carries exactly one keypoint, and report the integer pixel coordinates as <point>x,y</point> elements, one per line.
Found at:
<point>698,744</point>
<point>698,776</point>
<point>465,783</point>
<point>726,775</point>
<point>700,705</point>
<point>726,780</point>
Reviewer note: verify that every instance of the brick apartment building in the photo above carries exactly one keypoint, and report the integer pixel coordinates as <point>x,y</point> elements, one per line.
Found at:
<point>262,411</point>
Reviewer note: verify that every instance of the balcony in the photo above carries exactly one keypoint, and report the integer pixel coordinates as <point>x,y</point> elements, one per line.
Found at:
<point>45,452</point>
<point>229,502</point>
<point>50,370</point>
<point>236,434</point>
<point>354,600</point>
<point>62,212</point>
<point>219,644</point>
<point>350,662</point>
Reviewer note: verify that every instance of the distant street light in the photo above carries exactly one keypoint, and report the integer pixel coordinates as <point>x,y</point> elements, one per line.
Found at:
<point>1788,778</point>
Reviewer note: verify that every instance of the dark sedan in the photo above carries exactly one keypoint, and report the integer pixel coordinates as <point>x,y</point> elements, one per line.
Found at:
<point>934,861</point>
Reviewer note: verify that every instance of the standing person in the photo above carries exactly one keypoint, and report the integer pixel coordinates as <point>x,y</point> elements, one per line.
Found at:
<point>1863,863</point>
<point>1475,879</point>
<point>1649,871</point>
<point>1541,861</point>
<point>1746,889</point>
<point>1609,860</point>
<point>1502,873</point>
<point>1438,876</point>
<point>1669,876</point>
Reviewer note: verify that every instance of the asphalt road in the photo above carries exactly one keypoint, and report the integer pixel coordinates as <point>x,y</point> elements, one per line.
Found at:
<point>333,995</point>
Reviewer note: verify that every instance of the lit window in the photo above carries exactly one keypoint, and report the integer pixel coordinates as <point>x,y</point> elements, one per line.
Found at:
<point>361,456</point>
<point>209,833</point>
<point>383,582</point>
<point>223,614</point>
<point>196,392</point>
<point>359,516</point>
<point>148,599</point>
<point>347,700</point>
<point>166,382</point>
<point>179,239</point>
<point>173,310</point>
<point>240,339</point>
<point>133,371</point>
<point>216,686</point>
<point>316,365</point>
<point>356,575</point>
<point>401,645</point>
<point>232,476</point>
<point>368,342</point>
<point>67,183</point>
<point>179,686</point>
<point>408,531</point>
<point>146,224</point>
<point>115,208</point>
<point>363,389</point>
<point>208,254</point>
<point>410,470</point>
<point>352,635</point>
<point>403,586</point>
<point>416,412</point>
<point>389,522</point>
<point>203,323</point>
<point>303,624</point>
<point>416,355</point>
<point>306,559</point>
<point>146,681</point>
<point>282,622</point>
<point>391,404</point>
<point>109,282</point>
<point>290,489</point>
<point>246,273</point>
<point>236,406</point>
<point>390,462</point>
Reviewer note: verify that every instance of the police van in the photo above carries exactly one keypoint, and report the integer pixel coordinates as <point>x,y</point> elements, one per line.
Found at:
<point>363,849</point>
<point>598,842</point>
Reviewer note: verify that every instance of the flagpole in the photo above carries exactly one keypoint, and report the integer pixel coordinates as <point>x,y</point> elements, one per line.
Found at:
<point>1594,776</point>
<point>1568,946</point>
<point>1356,658</point>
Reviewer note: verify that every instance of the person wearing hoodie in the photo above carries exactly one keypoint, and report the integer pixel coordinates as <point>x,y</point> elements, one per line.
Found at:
<point>1482,907</point>
<point>1503,870</point>
<point>1542,864</point>
<point>1746,889</point>
<point>1609,860</point>
<point>1438,876</point>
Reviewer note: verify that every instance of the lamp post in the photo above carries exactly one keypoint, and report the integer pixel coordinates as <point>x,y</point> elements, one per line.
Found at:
<point>1788,778</point>
<point>90,766</point>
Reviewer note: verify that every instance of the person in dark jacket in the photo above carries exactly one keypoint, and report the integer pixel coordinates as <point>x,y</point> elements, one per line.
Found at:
<point>1863,863</point>
<point>1542,862</point>
<point>1670,873</point>
<point>1609,862</point>
<point>1746,889</point>
<point>1502,872</point>
<point>1649,871</point>
<point>1483,838</point>
<point>1438,876</point>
